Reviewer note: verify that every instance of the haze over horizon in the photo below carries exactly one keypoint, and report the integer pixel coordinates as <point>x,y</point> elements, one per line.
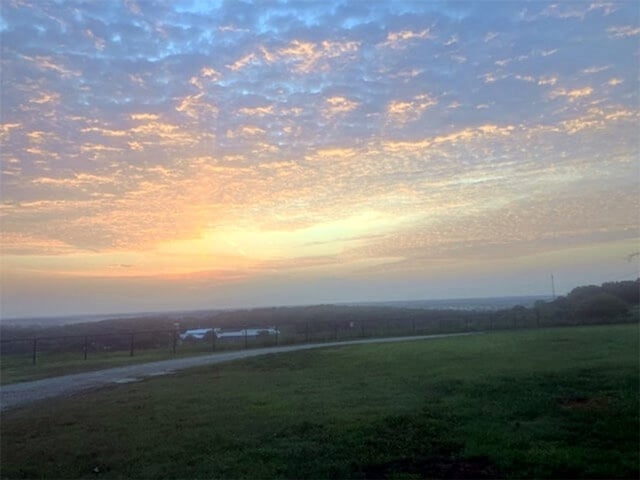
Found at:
<point>189,155</point>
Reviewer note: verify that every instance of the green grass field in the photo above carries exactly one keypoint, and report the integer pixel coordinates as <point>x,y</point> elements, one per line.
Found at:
<point>555,403</point>
<point>19,368</point>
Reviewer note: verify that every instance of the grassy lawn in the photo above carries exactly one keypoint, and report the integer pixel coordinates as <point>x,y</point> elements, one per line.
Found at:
<point>19,368</point>
<point>549,403</point>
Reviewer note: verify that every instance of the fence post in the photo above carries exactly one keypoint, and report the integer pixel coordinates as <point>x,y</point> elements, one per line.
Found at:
<point>85,347</point>
<point>131,345</point>
<point>35,349</point>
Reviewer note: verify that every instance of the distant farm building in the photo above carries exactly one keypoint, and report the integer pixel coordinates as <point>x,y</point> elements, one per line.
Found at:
<point>220,333</point>
<point>195,334</point>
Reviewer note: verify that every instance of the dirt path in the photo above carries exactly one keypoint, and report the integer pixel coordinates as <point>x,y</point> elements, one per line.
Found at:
<point>18,394</point>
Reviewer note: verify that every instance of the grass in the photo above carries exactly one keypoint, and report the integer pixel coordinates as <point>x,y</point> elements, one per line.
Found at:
<point>553,403</point>
<point>19,368</point>
<point>67,359</point>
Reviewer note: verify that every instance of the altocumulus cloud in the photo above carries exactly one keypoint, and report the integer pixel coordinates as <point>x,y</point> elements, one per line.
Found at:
<point>227,143</point>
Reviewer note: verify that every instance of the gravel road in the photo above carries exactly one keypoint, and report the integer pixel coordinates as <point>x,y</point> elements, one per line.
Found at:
<point>19,394</point>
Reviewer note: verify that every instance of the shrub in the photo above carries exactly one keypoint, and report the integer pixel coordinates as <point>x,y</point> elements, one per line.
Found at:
<point>602,306</point>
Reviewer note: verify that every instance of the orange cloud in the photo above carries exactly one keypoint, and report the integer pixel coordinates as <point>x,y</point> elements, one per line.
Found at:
<point>572,95</point>
<point>242,62</point>
<point>338,105</point>
<point>257,111</point>
<point>46,97</point>
<point>405,111</point>
<point>47,63</point>
<point>306,56</point>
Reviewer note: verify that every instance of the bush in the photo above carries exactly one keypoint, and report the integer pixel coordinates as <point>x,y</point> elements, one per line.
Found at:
<point>584,293</point>
<point>601,306</point>
<point>629,290</point>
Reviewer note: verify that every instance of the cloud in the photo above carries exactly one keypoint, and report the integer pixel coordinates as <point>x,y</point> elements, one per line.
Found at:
<point>133,7</point>
<point>339,105</point>
<point>46,97</point>
<point>243,62</point>
<point>6,128</point>
<point>246,131</point>
<point>490,36</point>
<point>405,111</point>
<point>594,69</point>
<point>451,41</point>
<point>78,180</point>
<point>15,243</point>
<point>525,78</point>
<point>307,56</point>
<point>547,80</point>
<point>401,39</point>
<point>197,106</point>
<point>546,53</point>
<point>135,116</point>
<point>98,42</point>
<point>623,31</point>
<point>149,130</point>
<point>44,62</point>
<point>131,132</point>
<point>459,136</point>
<point>492,77</point>
<point>206,75</point>
<point>573,94</point>
<point>568,11</point>
<point>334,154</point>
<point>607,7</point>
<point>96,147</point>
<point>107,132</point>
<point>257,111</point>
<point>595,119</point>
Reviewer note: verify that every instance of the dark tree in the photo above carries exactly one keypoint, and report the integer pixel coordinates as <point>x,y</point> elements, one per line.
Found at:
<point>601,306</point>
<point>629,290</point>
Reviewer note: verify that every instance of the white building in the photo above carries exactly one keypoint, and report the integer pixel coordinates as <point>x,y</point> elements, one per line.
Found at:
<point>200,333</point>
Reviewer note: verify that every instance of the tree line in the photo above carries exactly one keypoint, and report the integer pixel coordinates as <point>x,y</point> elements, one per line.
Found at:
<point>607,303</point>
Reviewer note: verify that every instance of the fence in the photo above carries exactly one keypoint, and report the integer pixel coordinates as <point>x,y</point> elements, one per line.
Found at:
<point>104,345</point>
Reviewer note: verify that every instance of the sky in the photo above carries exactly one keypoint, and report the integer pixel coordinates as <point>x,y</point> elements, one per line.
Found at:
<point>197,154</point>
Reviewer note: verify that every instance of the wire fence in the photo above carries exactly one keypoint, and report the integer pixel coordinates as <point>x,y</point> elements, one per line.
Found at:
<point>175,341</point>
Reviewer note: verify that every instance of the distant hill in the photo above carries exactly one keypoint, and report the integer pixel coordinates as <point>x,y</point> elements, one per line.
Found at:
<point>467,304</point>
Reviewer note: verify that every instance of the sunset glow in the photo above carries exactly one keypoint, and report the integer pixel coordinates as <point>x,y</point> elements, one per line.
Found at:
<point>189,154</point>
